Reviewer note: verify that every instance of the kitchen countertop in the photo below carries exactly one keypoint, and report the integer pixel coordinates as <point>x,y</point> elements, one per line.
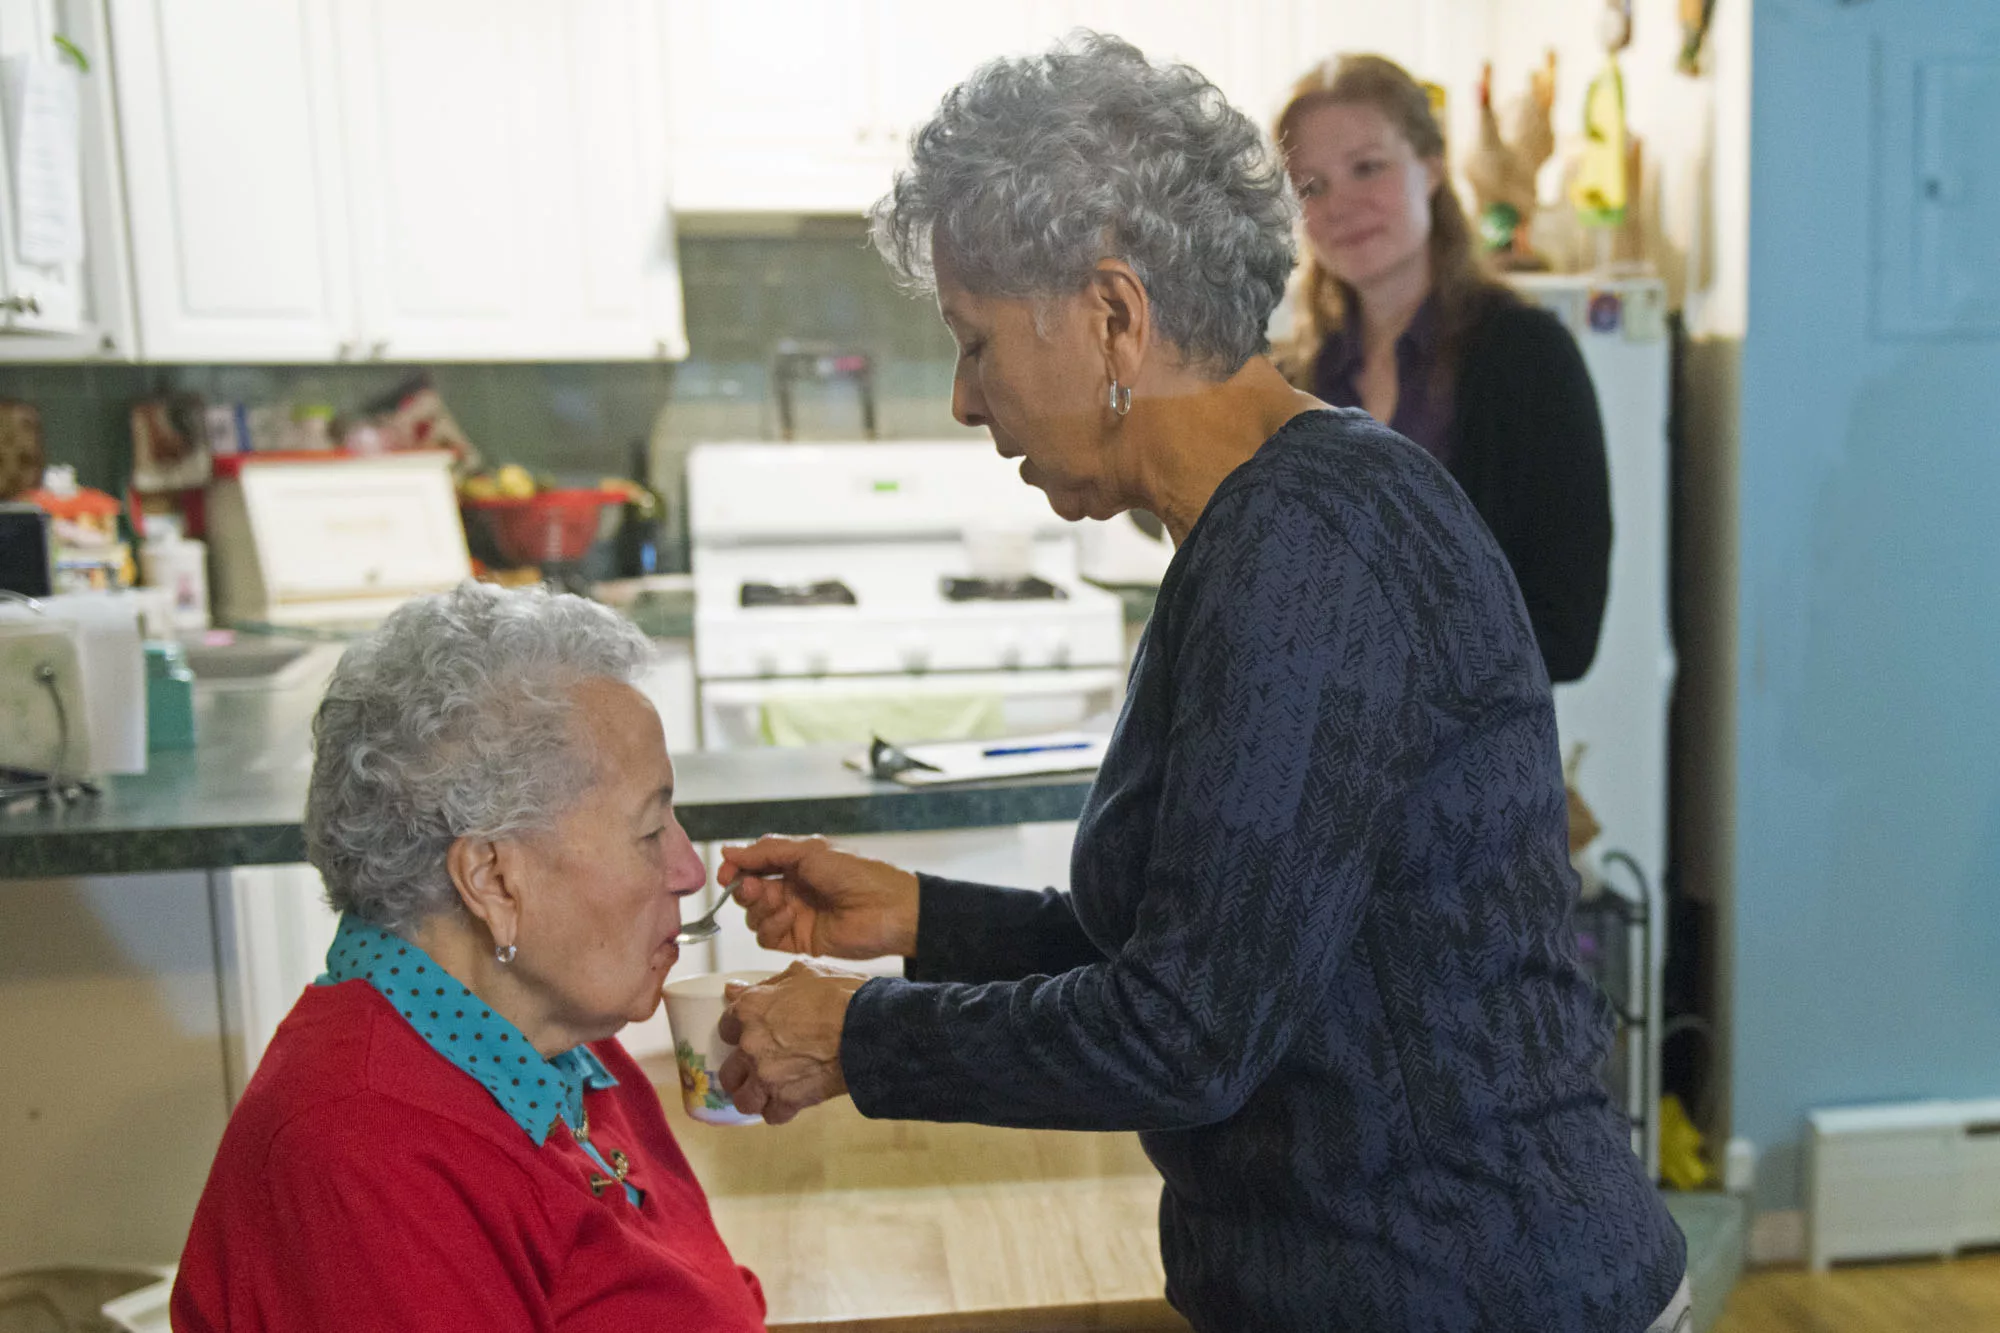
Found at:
<point>238,796</point>
<point>662,614</point>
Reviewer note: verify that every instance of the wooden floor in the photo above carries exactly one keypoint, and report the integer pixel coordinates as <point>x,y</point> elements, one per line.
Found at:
<point>1962,1296</point>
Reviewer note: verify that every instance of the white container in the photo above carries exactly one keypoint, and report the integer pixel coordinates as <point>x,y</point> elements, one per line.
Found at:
<point>1119,552</point>
<point>1002,555</point>
<point>178,567</point>
<point>694,1007</point>
<point>318,541</point>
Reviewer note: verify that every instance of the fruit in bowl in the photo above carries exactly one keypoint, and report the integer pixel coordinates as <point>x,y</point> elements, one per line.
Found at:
<point>512,518</point>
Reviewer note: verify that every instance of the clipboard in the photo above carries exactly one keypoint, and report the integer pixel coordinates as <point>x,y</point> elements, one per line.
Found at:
<point>943,762</point>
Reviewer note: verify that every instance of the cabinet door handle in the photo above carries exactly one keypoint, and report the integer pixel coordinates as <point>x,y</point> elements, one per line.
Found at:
<point>20,305</point>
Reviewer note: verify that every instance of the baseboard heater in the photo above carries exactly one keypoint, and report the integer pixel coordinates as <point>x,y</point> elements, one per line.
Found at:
<point>1902,1179</point>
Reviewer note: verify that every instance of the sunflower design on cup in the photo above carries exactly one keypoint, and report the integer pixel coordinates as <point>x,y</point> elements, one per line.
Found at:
<point>696,1085</point>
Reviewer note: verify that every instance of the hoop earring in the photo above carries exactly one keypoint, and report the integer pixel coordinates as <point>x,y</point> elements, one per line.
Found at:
<point>504,955</point>
<point>1120,399</point>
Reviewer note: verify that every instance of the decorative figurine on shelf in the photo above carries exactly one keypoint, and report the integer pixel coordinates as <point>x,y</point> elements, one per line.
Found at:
<point>1600,188</point>
<point>1696,15</point>
<point>1502,173</point>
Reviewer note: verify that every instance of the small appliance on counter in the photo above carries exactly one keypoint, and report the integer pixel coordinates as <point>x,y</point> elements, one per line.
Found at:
<point>43,740</point>
<point>332,539</point>
<point>73,683</point>
<point>27,550</point>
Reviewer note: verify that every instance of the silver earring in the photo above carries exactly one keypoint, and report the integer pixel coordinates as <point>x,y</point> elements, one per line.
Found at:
<point>504,954</point>
<point>1121,398</point>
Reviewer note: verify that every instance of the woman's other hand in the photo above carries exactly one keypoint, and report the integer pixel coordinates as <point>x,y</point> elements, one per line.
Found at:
<point>803,896</point>
<point>787,1037</point>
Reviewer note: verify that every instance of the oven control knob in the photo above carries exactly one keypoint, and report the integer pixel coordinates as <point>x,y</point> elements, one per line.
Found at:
<point>1059,651</point>
<point>766,658</point>
<point>915,653</point>
<point>818,660</point>
<point>1008,650</point>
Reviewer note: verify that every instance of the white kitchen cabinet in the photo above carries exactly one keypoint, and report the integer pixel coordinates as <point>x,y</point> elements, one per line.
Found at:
<point>798,106</point>
<point>922,55</point>
<point>1255,50</point>
<point>773,107</point>
<point>507,167</point>
<point>792,106</point>
<point>406,180</point>
<point>233,179</point>
<point>79,309</point>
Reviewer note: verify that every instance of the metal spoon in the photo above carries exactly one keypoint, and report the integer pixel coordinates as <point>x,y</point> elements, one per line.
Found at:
<point>707,927</point>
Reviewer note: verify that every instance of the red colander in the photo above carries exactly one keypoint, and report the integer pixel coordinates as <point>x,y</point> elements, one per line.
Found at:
<point>554,527</point>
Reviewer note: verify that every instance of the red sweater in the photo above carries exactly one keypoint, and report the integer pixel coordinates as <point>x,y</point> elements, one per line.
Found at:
<point>366,1183</point>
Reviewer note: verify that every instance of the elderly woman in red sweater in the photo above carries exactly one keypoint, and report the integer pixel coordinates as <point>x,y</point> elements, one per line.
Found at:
<point>444,1132</point>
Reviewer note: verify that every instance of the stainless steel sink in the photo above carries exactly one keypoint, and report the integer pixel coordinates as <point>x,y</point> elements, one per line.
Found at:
<point>257,663</point>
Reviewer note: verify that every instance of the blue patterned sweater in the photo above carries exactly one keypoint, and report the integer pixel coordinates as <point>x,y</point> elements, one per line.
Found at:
<point>1318,948</point>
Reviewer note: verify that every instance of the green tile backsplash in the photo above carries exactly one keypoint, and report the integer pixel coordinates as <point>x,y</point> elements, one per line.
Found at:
<point>743,295</point>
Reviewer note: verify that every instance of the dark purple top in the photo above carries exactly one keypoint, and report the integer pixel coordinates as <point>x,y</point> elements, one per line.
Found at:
<point>1318,950</point>
<point>1423,404</point>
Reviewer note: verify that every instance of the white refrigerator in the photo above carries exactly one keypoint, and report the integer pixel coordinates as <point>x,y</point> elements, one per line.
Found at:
<point>1618,711</point>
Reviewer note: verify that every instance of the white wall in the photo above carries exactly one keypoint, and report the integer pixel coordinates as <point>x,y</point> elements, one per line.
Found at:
<point>1693,224</point>
<point>1868,744</point>
<point>1693,210</point>
<point>112,1092</point>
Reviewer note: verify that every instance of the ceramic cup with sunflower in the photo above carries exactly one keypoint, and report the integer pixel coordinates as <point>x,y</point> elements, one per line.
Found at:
<point>694,1007</point>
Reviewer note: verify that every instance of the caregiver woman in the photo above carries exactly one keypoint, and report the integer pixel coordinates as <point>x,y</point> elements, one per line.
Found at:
<point>1317,951</point>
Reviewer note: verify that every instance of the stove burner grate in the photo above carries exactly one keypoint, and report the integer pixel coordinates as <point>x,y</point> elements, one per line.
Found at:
<point>1030,589</point>
<point>827,592</point>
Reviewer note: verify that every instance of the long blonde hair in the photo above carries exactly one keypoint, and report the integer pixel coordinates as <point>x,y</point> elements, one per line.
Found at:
<point>1463,286</point>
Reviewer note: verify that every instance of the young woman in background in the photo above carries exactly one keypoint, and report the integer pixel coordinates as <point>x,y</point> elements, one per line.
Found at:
<point>1397,316</point>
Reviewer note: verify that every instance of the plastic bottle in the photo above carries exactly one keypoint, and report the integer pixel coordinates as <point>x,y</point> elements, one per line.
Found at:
<point>169,698</point>
<point>180,566</point>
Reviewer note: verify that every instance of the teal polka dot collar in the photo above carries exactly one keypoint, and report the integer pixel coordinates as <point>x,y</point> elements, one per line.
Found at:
<point>461,1028</point>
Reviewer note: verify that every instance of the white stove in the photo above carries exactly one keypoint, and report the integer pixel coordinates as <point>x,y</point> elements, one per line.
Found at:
<point>813,561</point>
<point>831,597</point>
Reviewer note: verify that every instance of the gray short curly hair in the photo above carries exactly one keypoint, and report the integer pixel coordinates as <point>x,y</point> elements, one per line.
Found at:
<point>451,720</point>
<point>1036,167</point>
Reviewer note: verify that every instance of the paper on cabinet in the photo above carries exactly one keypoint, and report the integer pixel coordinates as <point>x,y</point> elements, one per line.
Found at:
<point>44,144</point>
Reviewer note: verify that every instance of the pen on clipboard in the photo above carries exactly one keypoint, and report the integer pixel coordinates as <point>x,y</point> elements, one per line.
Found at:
<point>1001,751</point>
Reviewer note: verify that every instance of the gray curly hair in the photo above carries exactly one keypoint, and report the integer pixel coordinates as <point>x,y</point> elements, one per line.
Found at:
<point>454,719</point>
<point>1035,168</point>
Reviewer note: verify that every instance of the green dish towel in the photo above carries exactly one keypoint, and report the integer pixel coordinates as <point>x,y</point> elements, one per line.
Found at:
<point>905,719</point>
